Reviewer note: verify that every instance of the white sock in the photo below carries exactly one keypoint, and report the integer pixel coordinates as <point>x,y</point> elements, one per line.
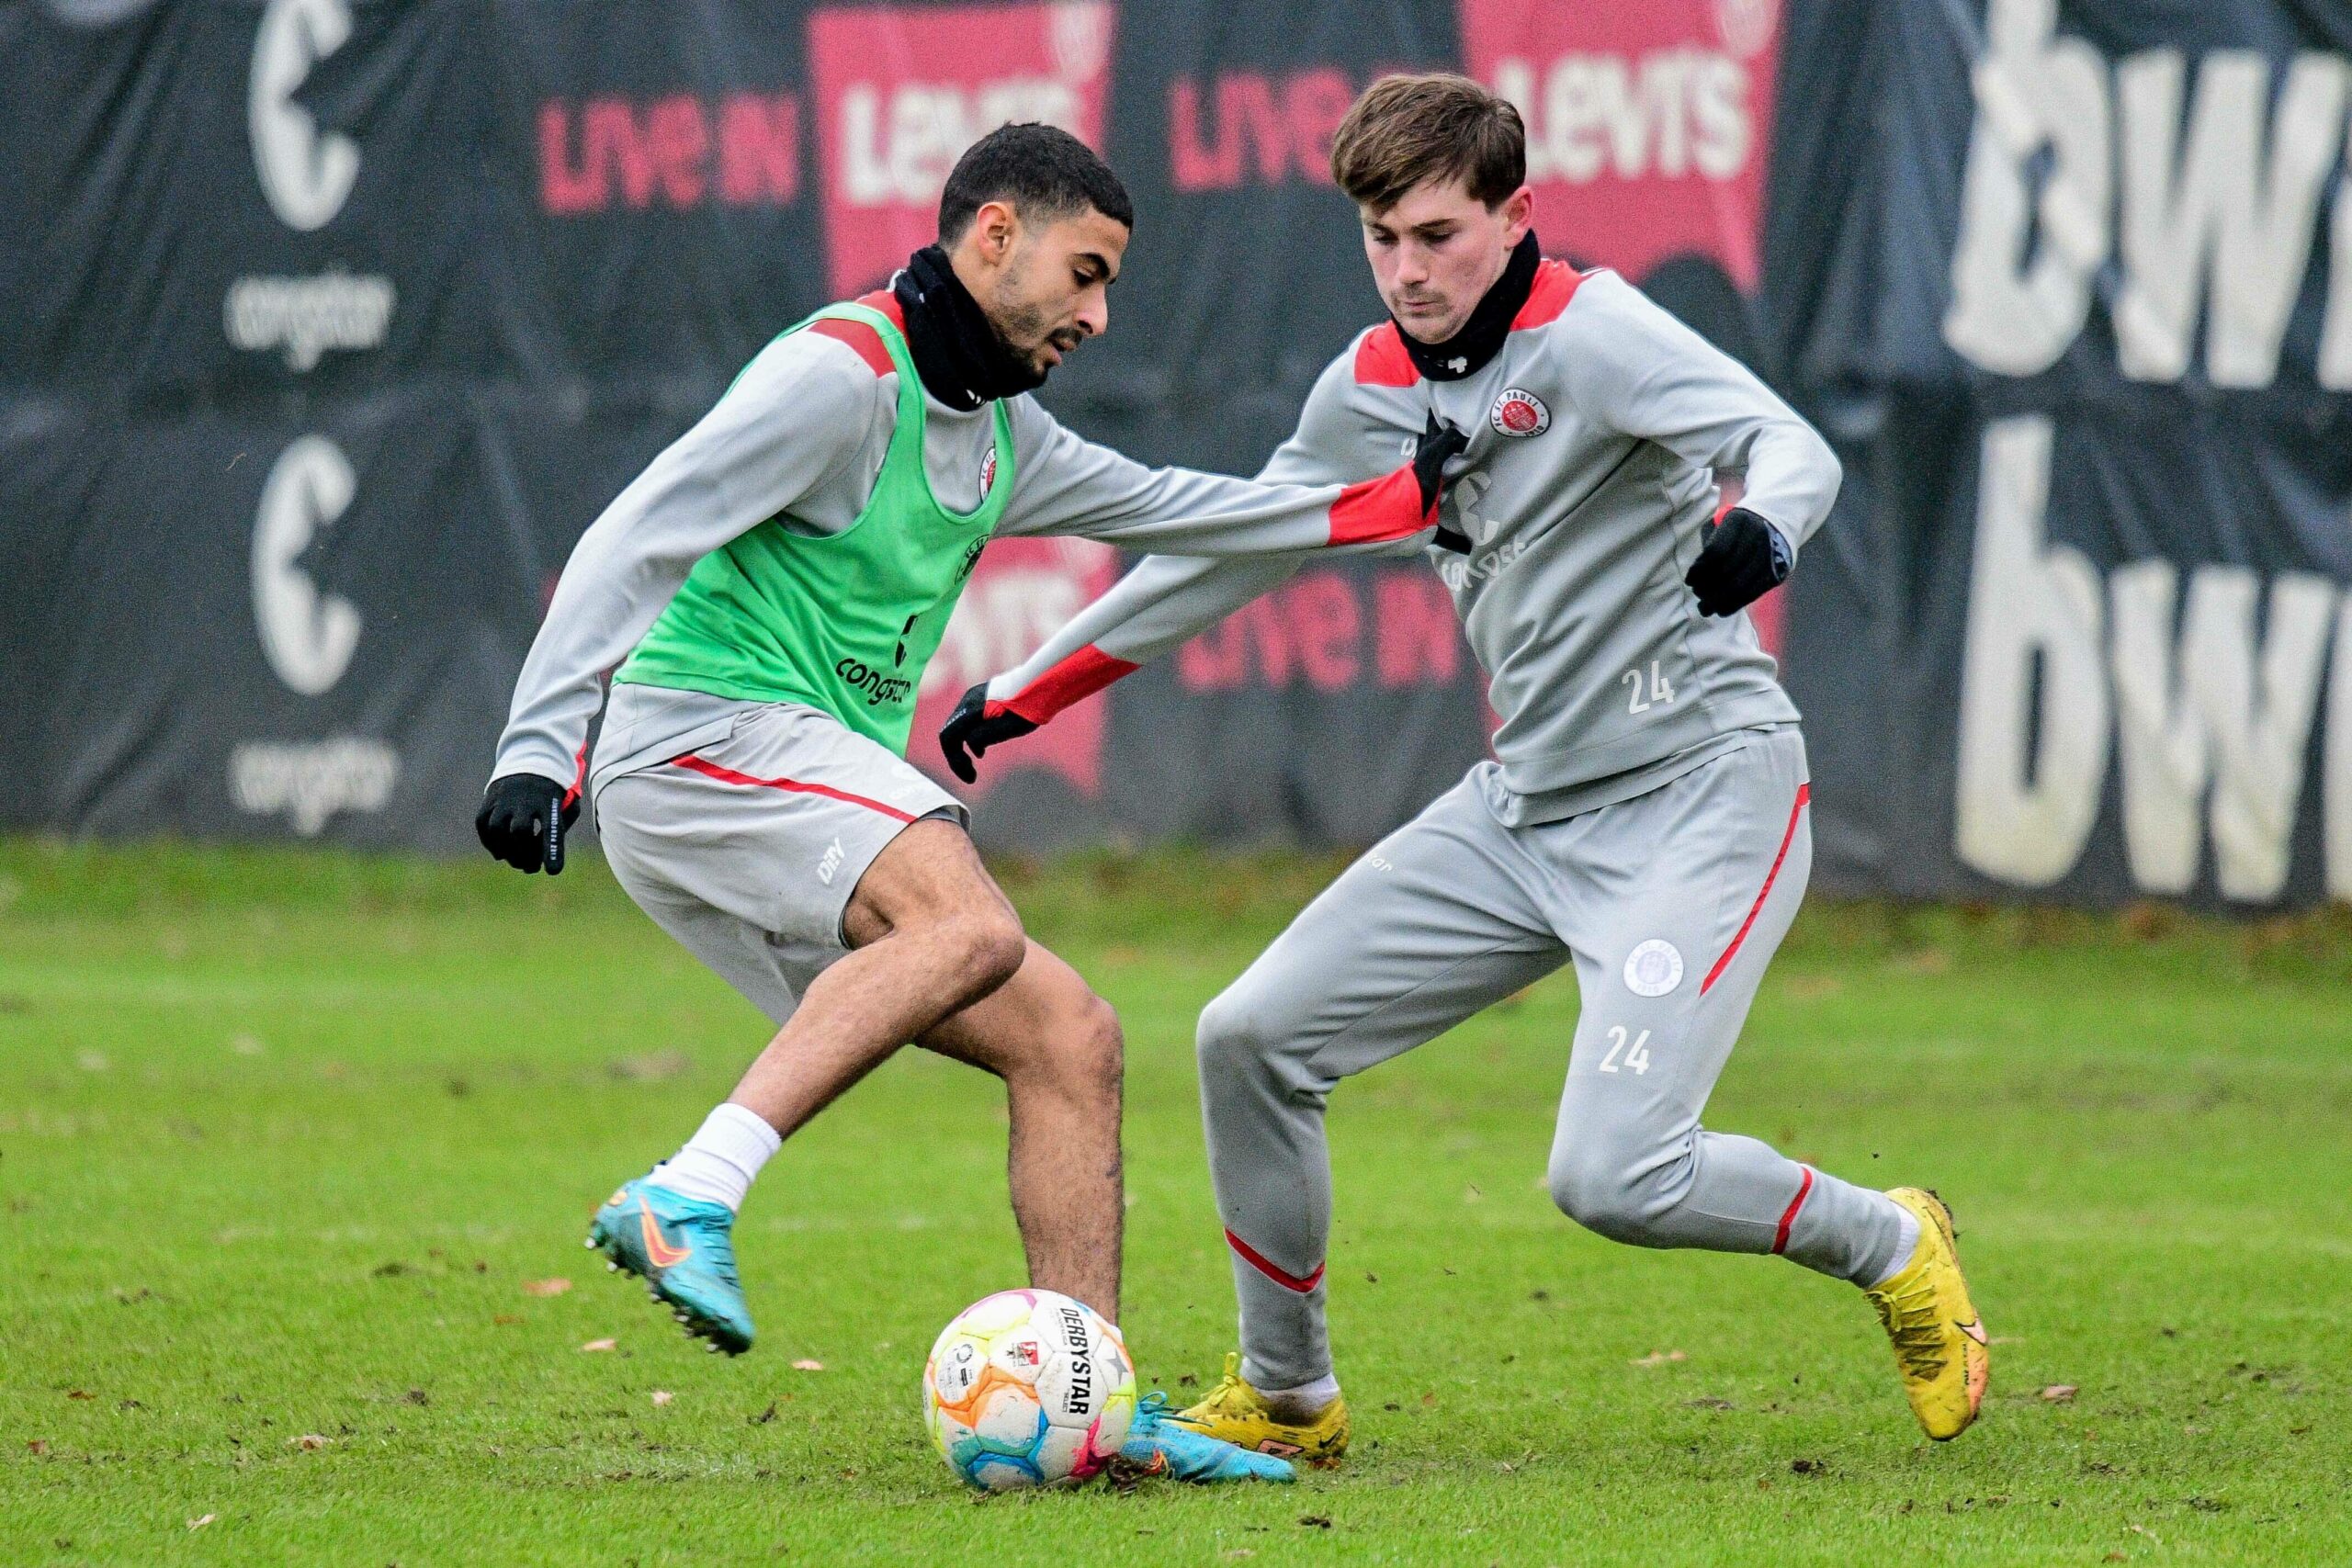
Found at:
<point>720,1161</point>
<point>1303,1402</point>
<point>1908,1243</point>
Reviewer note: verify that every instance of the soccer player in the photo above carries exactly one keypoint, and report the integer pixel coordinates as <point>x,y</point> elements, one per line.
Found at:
<point>770,588</point>
<point>1645,817</point>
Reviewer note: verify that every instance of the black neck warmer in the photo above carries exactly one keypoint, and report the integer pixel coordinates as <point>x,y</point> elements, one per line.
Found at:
<point>961,360</point>
<point>1481,337</point>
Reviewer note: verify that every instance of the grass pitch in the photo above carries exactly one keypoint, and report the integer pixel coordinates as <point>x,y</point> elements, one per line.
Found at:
<point>296,1154</point>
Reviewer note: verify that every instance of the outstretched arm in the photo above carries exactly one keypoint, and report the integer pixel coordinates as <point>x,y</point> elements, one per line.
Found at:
<point>1161,604</point>
<point>1068,485</point>
<point>1166,600</point>
<point>797,414</point>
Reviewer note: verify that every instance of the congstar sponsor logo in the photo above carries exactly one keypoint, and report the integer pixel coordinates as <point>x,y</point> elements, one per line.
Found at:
<point>879,685</point>
<point>306,174</point>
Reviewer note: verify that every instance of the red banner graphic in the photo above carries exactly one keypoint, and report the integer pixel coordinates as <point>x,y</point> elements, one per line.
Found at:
<point>1647,126</point>
<point>902,90</point>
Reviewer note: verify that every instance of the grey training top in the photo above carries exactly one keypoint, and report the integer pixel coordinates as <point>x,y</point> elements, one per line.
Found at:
<point>1596,432</point>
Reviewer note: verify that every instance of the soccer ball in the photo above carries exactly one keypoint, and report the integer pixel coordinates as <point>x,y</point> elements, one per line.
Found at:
<point>1027,1388</point>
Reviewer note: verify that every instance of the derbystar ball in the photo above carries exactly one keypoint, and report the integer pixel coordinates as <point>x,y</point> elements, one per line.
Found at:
<point>1027,1388</point>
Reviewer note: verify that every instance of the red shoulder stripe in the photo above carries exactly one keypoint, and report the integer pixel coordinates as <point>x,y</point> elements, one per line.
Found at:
<point>861,337</point>
<point>1555,286</point>
<point>1081,674</point>
<point>1380,359</point>
<point>887,301</point>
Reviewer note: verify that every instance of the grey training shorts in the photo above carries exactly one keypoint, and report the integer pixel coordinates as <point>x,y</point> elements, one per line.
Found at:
<point>748,847</point>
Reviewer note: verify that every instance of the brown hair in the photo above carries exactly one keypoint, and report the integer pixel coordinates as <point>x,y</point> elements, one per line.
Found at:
<point>1406,130</point>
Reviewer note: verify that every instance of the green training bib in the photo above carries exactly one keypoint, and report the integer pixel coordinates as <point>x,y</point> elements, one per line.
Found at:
<point>842,623</point>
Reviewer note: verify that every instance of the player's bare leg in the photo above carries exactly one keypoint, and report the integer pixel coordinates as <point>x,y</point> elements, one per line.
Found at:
<point>1057,1047</point>
<point>932,934</point>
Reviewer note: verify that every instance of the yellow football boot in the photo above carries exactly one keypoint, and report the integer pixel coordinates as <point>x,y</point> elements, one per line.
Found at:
<point>1939,1342</point>
<point>1236,1413</point>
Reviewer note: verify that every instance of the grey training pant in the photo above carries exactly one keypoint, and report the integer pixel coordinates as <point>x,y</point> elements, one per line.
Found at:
<point>1671,904</point>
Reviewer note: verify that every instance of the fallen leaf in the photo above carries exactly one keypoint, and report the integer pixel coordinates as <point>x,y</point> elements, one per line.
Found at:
<point>416,1396</point>
<point>393,1269</point>
<point>2143,1529</point>
<point>80,1393</point>
<point>2061,1392</point>
<point>663,1397</point>
<point>506,1317</point>
<point>1806,1466</point>
<point>546,1287</point>
<point>1316,1521</point>
<point>1658,1359</point>
<point>806,1365</point>
<point>1429,1401</point>
<point>308,1442</point>
<point>764,1416</point>
<point>37,1446</point>
<point>199,1524</point>
<point>600,1344</point>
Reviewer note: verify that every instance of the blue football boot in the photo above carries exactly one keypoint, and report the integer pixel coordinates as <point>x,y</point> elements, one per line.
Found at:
<point>681,1247</point>
<point>1159,1445</point>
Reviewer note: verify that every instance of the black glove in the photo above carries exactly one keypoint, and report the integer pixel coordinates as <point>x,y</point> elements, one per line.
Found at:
<point>972,725</point>
<point>1438,445</point>
<point>1744,559</point>
<point>522,821</point>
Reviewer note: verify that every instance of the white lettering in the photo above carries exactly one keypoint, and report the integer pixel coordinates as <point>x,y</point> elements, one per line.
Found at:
<point>2028,793</point>
<point>312,782</point>
<point>1662,113</point>
<point>306,176</point>
<point>2221,203</point>
<point>2212,196</point>
<point>900,152</point>
<point>2216,717</point>
<point>306,636</point>
<point>2336,805</point>
<point>2013,311</point>
<point>305,317</point>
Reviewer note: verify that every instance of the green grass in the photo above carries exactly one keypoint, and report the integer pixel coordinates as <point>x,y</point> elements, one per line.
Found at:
<point>283,1138</point>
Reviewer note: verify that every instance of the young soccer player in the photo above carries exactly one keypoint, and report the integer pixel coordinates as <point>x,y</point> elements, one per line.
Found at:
<point>770,588</point>
<point>1645,818</point>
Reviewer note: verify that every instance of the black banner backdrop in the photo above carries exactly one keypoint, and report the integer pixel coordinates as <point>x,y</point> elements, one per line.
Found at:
<point>2071,286</point>
<point>326,325</point>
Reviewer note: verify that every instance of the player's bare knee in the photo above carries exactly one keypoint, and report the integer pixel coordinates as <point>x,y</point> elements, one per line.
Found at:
<point>990,945</point>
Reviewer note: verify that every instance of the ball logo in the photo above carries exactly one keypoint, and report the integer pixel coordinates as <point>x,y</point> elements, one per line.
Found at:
<point>307,636</point>
<point>1653,969</point>
<point>1519,412</point>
